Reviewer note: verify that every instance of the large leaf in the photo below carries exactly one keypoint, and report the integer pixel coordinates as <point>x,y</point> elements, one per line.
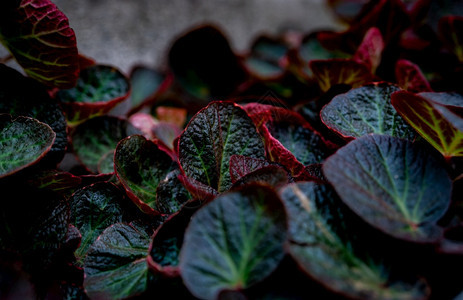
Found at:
<point>444,134</point>
<point>365,110</point>
<point>216,133</point>
<point>452,101</point>
<point>331,72</point>
<point>37,33</point>
<point>99,89</point>
<point>23,142</point>
<point>233,242</point>
<point>148,175</point>
<point>204,63</point>
<point>326,247</point>
<point>93,209</point>
<point>115,266</point>
<point>95,138</point>
<point>22,96</point>
<point>393,184</point>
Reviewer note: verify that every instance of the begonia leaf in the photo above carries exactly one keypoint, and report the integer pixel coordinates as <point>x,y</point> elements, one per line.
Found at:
<point>370,50</point>
<point>410,77</point>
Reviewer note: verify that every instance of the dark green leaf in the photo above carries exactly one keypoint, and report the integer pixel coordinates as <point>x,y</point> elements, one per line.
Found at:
<point>22,96</point>
<point>394,185</point>
<point>37,33</point>
<point>115,266</point>
<point>145,82</point>
<point>148,175</point>
<point>97,137</point>
<point>23,142</point>
<point>98,90</point>
<point>324,245</point>
<point>233,242</point>
<point>431,122</point>
<point>265,59</point>
<point>212,137</point>
<point>93,209</point>
<point>365,110</point>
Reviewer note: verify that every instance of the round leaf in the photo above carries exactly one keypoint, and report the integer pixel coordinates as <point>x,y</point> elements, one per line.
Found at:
<point>233,242</point>
<point>394,185</point>
<point>94,139</point>
<point>365,110</point>
<point>212,137</point>
<point>115,266</point>
<point>324,246</point>
<point>145,172</point>
<point>93,209</point>
<point>23,142</point>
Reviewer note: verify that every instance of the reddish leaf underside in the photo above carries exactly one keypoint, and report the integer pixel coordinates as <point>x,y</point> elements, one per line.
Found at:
<point>451,33</point>
<point>410,77</point>
<point>369,51</point>
<point>430,123</point>
<point>38,35</point>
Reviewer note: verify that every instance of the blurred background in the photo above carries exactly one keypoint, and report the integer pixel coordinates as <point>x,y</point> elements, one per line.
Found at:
<point>123,33</point>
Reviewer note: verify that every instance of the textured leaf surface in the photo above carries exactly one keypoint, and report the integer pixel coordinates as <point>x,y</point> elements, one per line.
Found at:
<point>217,132</point>
<point>95,138</point>
<point>410,77</point>
<point>23,142</point>
<point>241,165</point>
<point>393,184</point>
<point>98,90</point>
<point>93,209</point>
<point>331,72</point>
<point>324,245</point>
<point>365,110</point>
<point>115,266</point>
<point>443,134</point>
<point>22,96</point>
<point>233,242</point>
<point>37,33</point>
<point>147,173</point>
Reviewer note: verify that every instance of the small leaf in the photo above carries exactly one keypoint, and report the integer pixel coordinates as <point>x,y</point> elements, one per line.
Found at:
<point>451,32</point>
<point>370,50</point>
<point>213,135</point>
<point>115,266</point>
<point>22,96</point>
<point>410,77</point>
<point>443,134</point>
<point>325,246</point>
<point>95,138</point>
<point>241,165</point>
<point>23,142</point>
<point>145,171</point>
<point>266,58</point>
<point>37,33</point>
<point>365,110</point>
<point>99,89</point>
<point>331,72</point>
<point>233,242</point>
<point>93,209</point>
<point>272,175</point>
<point>392,184</point>
<point>58,181</point>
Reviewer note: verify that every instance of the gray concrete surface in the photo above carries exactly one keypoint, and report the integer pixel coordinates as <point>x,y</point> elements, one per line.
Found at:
<point>127,32</point>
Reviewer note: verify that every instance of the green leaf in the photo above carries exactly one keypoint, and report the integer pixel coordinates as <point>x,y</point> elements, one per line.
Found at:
<point>95,138</point>
<point>23,142</point>
<point>93,209</point>
<point>115,266</point>
<point>147,173</point>
<point>145,83</point>
<point>392,184</point>
<point>213,135</point>
<point>324,246</point>
<point>233,242</point>
<point>365,110</point>
<point>443,133</point>
<point>22,96</point>
<point>98,90</point>
<point>38,35</point>
<point>266,57</point>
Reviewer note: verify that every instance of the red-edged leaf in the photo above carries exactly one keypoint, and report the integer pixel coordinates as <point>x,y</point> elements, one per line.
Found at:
<point>99,89</point>
<point>331,72</point>
<point>38,35</point>
<point>61,182</point>
<point>198,190</point>
<point>369,51</point>
<point>410,77</point>
<point>241,165</point>
<point>451,33</point>
<point>442,133</point>
<point>452,101</point>
<point>347,10</point>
